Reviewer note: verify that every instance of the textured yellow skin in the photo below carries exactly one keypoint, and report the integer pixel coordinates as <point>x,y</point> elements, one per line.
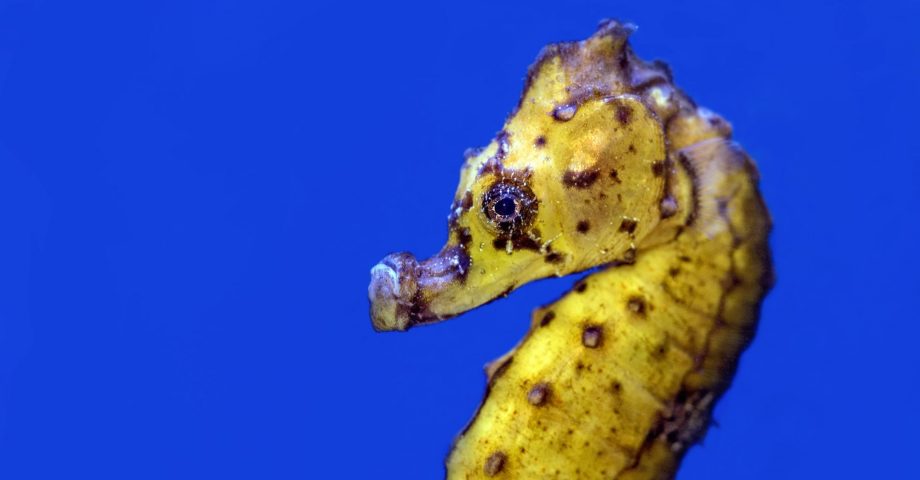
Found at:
<point>627,408</point>
<point>618,377</point>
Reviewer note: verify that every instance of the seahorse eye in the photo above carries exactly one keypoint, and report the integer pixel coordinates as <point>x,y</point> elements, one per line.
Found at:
<point>506,206</point>
<point>509,207</point>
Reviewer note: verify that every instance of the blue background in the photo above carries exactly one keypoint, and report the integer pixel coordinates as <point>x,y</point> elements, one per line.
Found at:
<point>192,194</point>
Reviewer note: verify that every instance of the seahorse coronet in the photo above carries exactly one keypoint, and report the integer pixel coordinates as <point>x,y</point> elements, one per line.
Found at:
<point>606,164</point>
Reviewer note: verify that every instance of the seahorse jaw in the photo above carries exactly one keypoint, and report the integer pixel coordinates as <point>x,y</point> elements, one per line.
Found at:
<point>392,292</point>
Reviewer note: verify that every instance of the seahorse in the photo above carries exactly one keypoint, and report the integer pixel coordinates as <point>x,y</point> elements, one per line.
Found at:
<point>604,165</point>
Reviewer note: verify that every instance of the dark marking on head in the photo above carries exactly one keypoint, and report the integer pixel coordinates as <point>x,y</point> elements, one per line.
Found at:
<point>636,305</point>
<point>502,139</point>
<point>583,226</point>
<point>458,206</point>
<point>628,225</point>
<point>592,336</point>
<point>616,387</point>
<point>564,113</point>
<point>581,286</point>
<point>580,179</point>
<point>674,271</point>
<point>553,257</point>
<point>464,237</point>
<point>540,142</point>
<point>459,261</point>
<point>624,114</point>
<point>615,175</point>
<point>547,318</point>
<point>492,166</point>
<point>660,351</point>
<point>467,201</point>
<point>658,168</point>
<point>538,394</point>
<point>494,464</point>
<point>500,243</point>
<point>527,242</point>
<point>632,148</point>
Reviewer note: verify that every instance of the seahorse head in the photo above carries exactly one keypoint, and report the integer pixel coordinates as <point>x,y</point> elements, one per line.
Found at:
<point>574,179</point>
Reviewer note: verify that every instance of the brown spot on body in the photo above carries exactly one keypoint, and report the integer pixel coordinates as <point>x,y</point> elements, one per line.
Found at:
<point>628,225</point>
<point>583,226</point>
<point>624,114</point>
<point>658,168</point>
<point>581,179</point>
<point>540,142</point>
<point>547,318</point>
<point>538,395</point>
<point>581,286</point>
<point>592,336</point>
<point>636,305</point>
<point>553,257</point>
<point>614,175</point>
<point>494,464</point>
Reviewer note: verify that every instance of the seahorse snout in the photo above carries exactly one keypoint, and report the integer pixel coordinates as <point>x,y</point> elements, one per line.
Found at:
<point>394,283</point>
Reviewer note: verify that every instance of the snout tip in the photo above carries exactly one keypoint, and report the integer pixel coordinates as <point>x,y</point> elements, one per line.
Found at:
<point>394,284</point>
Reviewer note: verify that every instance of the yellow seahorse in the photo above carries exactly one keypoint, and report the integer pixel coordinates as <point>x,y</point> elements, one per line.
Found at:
<point>604,163</point>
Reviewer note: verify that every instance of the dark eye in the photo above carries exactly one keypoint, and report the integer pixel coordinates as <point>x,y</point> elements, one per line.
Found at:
<point>509,207</point>
<point>506,206</point>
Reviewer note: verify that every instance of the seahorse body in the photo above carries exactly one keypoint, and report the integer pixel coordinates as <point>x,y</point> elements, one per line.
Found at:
<point>603,163</point>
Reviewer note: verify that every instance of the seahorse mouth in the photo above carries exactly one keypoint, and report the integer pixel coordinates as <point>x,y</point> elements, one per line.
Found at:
<point>405,292</point>
<point>393,288</point>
